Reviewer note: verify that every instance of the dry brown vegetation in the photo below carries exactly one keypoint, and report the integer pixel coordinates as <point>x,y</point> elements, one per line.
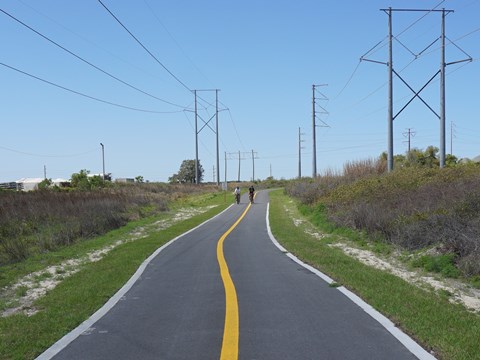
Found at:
<point>40,221</point>
<point>414,208</point>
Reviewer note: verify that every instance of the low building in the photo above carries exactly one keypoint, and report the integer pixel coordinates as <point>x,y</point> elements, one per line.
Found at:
<point>9,186</point>
<point>28,184</point>
<point>124,180</point>
<point>60,182</point>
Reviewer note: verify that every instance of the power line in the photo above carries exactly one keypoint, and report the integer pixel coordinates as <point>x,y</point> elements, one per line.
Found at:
<point>87,62</point>
<point>85,95</point>
<point>175,41</point>
<point>150,53</point>
<point>89,41</point>
<point>349,79</point>
<point>51,156</point>
<point>420,18</point>
<point>234,126</point>
<point>143,46</point>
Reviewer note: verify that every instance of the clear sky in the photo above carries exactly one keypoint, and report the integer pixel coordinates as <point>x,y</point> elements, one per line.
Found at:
<point>264,57</point>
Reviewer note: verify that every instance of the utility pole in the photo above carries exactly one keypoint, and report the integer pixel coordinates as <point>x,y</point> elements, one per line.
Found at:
<point>45,172</point>
<point>300,153</point>
<point>409,133</point>
<point>452,135</point>
<point>314,166</point>
<point>196,138</point>
<point>254,154</point>
<point>225,167</point>
<point>233,156</point>
<point>314,124</point>
<point>390,93</point>
<point>239,158</point>
<point>103,161</point>
<point>216,133</point>
<point>442,93</point>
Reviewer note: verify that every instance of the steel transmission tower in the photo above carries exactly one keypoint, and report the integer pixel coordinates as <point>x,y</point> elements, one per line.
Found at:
<point>206,124</point>
<point>391,71</point>
<point>314,122</point>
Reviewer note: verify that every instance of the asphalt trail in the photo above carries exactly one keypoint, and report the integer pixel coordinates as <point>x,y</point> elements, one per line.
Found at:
<point>176,309</point>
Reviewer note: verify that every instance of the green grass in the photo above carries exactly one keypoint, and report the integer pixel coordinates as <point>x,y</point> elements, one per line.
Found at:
<point>443,264</point>
<point>448,329</point>
<point>21,291</point>
<point>81,294</point>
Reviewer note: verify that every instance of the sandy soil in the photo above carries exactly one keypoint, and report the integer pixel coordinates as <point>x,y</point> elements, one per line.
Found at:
<point>461,292</point>
<point>21,296</point>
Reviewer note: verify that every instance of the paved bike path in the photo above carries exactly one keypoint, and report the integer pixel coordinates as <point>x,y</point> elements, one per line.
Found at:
<point>176,310</point>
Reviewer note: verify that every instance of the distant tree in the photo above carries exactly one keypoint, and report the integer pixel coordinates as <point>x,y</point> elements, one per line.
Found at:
<point>186,174</point>
<point>174,179</point>
<point>451,160</point>
<point>414,157</point>
<point>398,160</point>
<point>82,181</point>
<point>45,184</point>
<point>430,156</point>
<point>96,182</point>
<point>139,179</point>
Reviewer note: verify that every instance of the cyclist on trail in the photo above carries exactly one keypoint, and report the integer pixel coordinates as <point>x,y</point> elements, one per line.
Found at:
<point>251,192</point>
<point>237,194</point>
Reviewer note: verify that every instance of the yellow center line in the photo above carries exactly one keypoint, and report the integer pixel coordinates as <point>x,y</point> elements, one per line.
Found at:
<point>231,330</point>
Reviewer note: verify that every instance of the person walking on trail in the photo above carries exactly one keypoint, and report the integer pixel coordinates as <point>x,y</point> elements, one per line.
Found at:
<point>251,192</point>
<point>237,194</point>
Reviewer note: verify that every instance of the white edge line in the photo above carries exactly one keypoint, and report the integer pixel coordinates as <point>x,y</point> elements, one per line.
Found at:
<point>406,340</point>
<point>68,338</point>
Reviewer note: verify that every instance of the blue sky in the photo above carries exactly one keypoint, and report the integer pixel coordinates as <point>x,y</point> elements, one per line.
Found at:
<point>264,57</point>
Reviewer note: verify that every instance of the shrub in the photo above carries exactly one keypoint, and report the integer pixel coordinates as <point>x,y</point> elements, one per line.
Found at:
<point>443,264</point>
<point>412,207</point>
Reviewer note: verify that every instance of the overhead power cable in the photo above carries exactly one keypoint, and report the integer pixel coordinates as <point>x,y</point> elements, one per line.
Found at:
<point>151,54</point>
<point>87,62</point>
<point>348,81</point>
<point>144,47</point>
<point>85,95</point>
<point>175,41</point>
<point>420,18</point>
<point>234,126</point>
<point>49,156</point>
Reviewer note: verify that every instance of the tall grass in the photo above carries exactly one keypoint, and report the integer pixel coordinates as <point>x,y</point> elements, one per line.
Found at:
<point>412,207</point>
<point>310,191</point>
<point>44,220</point>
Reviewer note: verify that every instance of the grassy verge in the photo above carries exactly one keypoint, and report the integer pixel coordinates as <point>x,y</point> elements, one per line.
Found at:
<point>447,329</point>
<point>80,295</point>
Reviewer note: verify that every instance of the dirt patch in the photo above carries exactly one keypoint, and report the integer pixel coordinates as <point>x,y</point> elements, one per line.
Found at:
<point>19,298</point>
<point>457,291</point>
<point>460,292</point>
